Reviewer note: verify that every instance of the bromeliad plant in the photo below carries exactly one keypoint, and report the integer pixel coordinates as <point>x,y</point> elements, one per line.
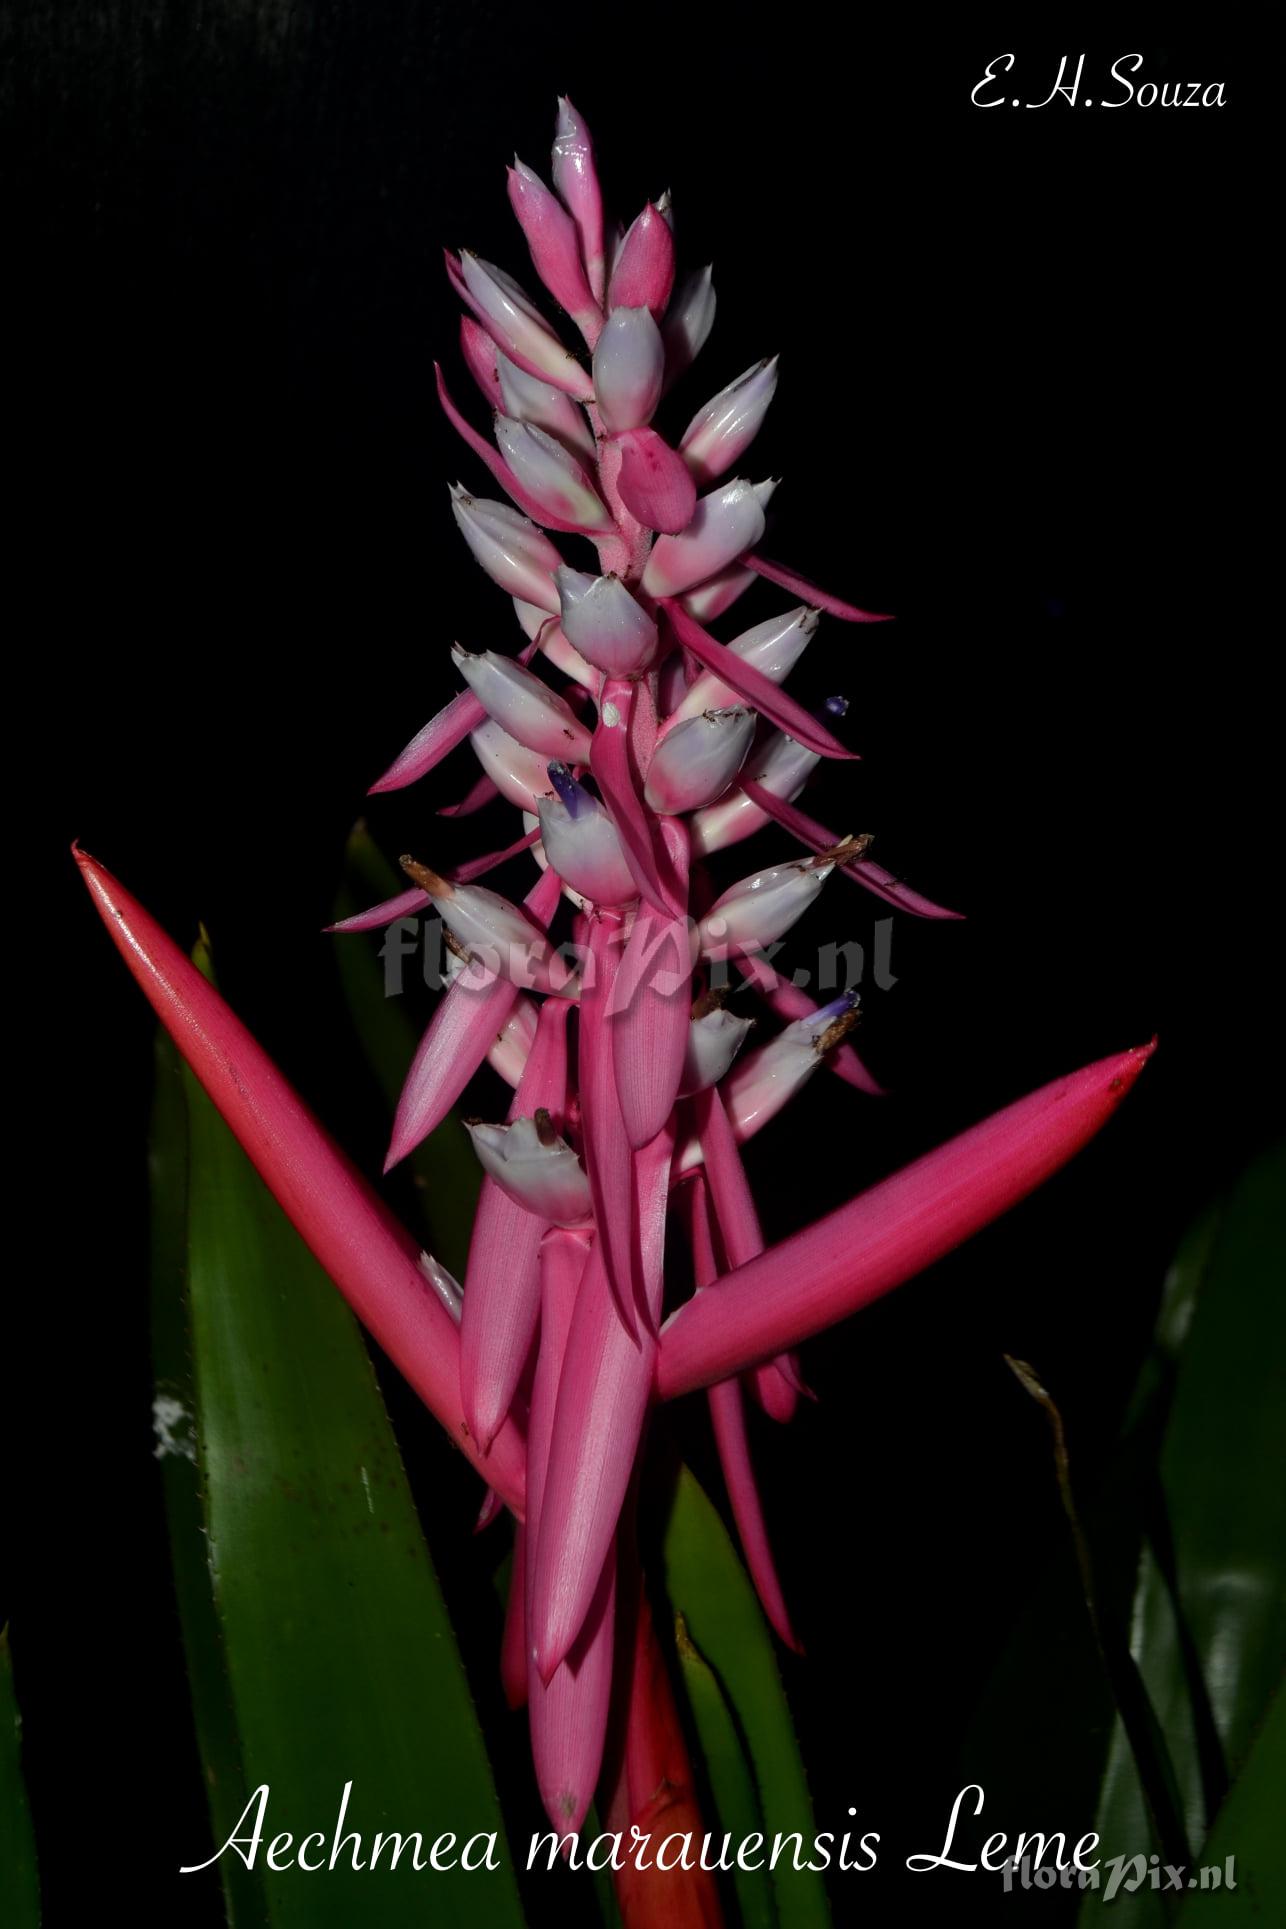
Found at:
<point>636,745</point>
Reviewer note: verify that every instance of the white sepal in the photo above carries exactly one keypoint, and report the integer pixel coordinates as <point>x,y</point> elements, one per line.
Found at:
<point>536,1167</point>
<point>714,1040</point>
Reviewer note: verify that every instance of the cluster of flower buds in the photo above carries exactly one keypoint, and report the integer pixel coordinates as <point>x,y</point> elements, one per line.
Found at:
<point>635,745</point>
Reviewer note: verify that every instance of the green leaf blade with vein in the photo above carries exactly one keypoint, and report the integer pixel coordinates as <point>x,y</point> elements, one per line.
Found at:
<point>707,1584</point>
<point>732,1784</point>
<point>1209,1624</point>
<point>174,1424</point>
<point>1248,1837</point>
<point>341,1658</point>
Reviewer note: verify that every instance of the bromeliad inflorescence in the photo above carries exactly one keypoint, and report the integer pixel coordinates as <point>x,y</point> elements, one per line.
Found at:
<point>635,745</point>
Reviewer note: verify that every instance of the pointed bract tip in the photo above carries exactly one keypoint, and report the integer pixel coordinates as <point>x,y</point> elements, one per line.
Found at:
<point>491,1509</point>
<point>548,1661</point>
<point>1131,1064</point>
<point>400,1146</point>
<point>566,1810</point>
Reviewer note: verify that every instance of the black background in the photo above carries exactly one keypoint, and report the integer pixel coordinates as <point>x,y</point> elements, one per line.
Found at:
<point>1021,404</point>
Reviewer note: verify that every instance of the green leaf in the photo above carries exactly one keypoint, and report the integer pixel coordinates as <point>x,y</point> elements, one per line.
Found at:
<point>1209,1623</point>
<point>341,1659</point>
<point>1248,1833</point>
<point>444,1170</point>
<point>19,1877</point>
<point>604,1889</point>
<point>1140,1727</point>
<point>1038,1735</point>
<point>1222,1461</point>
<point>732,1785</point>
<point>174,1424</point>
<point>709,1587</point>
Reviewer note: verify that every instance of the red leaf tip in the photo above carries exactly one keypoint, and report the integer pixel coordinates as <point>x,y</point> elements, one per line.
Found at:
<point>1130,1065</point>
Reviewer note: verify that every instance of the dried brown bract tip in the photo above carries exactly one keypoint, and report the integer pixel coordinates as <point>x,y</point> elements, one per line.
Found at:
<point>437,887</point>
<point>846,850</point>
<point>837,1031</point>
